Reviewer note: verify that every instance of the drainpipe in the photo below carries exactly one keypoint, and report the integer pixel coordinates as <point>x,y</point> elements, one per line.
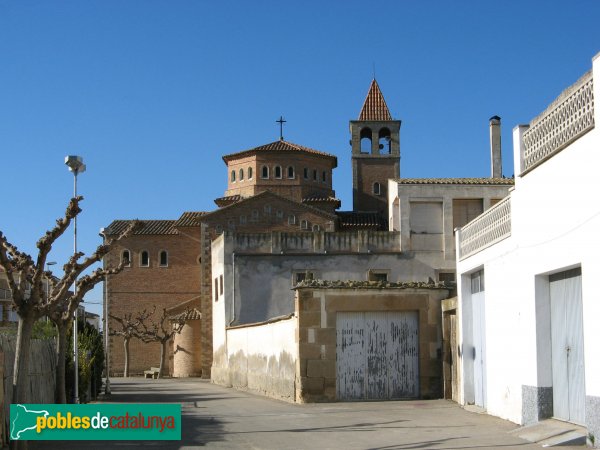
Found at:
<point>233,288</point>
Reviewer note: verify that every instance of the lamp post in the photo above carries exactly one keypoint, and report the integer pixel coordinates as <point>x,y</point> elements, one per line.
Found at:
<point>76,165</point>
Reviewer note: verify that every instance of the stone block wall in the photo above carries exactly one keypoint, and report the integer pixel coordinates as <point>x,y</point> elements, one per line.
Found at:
<point>316,310</point>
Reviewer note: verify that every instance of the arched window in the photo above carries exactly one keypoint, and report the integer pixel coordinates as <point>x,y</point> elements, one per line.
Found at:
<point>305,173</point>
<point>376,188</point>
<point>277,171</point>
<point>365,140</point>
<point>304,225</point>
<point>255,214</point>
<point>267,209</point>
<point>385,140</point>
<point>264,172</point>
<point>241,174</point>
<point>231,224</point>
<point>219,229</point>
<point>249,173</point>
<point>291,219</point>
<point>144,259</point>
<point>291,173</point>
<point>233,176</point>
<point>316,228</point>
<point>126,258</point>
<point>315,175</point>
<point>324,177</point>
<point>163,258</point>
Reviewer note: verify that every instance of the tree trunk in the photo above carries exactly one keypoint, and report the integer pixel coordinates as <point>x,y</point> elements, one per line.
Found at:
<point>126,345</point>
<point>163,357</point>
<point>21,368</point>
<point>61,352</point>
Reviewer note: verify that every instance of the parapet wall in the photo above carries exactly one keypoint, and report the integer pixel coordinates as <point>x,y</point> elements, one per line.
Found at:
<point>316,242</point>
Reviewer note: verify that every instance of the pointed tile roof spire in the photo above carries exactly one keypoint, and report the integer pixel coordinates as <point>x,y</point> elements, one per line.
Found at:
<point>375,107</point>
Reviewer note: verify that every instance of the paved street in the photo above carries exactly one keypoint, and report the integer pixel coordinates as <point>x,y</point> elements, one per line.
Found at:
<point>217,417</point>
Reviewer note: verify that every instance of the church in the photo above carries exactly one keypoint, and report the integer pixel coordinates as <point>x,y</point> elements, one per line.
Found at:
<point>277,242</point>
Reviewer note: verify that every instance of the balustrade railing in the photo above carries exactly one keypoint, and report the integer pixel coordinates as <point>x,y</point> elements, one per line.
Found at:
<point>490,227</point>
<point>568,118</point>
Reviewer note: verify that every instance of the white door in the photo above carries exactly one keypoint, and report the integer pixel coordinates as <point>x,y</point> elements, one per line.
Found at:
<point>568,382</point>
<point>479,357</point>
<point>377,355</point>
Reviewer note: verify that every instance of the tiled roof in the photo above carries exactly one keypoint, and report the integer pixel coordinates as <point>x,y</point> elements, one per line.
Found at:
<point>189,219</point>
<point>228,200</point>
<point>498,181</point>
<point>321,199</point>
<point>326,284</point>
<point>357,219</point>
<point>279,146</point>
<point>190,314</point>
<point>262,194</point>
<point>375,107</point>
<point>149,227</point>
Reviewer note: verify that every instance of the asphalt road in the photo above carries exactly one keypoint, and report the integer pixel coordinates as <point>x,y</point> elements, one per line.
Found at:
<point>217,417</point>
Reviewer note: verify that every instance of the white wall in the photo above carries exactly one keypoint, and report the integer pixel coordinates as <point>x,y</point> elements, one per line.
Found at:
<point>555,227</point>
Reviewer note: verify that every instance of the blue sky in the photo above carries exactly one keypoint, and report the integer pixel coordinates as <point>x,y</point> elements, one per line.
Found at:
<point>153,93</point>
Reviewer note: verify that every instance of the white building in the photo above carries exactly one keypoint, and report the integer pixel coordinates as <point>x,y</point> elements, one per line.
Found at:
<point>528,306</point>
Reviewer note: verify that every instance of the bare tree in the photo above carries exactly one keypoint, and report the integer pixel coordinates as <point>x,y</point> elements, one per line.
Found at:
<point>130,327</point>
<point>162,331</point>
<point>31,300</point>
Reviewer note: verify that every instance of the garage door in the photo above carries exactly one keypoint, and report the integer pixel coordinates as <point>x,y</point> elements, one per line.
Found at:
<point>377,355</point>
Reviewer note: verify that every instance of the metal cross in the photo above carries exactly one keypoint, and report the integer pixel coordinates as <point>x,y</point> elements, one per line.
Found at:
<point>281,121</point>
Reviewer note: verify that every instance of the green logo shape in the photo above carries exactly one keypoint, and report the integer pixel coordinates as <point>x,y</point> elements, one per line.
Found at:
<point>49,422</point>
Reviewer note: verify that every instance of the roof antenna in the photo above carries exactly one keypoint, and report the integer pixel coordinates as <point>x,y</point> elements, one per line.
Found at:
<point>374,77</point>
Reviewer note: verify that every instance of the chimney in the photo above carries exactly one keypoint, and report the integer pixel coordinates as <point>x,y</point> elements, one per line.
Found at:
<point>496,147</point>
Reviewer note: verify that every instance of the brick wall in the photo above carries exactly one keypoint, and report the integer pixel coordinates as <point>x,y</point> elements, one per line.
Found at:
<point>138,288</point>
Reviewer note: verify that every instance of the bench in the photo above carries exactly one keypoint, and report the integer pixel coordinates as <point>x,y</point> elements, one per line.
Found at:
<point>152,373</point>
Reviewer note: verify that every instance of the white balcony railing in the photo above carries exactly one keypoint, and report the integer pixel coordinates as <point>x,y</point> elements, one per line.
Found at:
<point>568,118</point>
<point>490,227</point>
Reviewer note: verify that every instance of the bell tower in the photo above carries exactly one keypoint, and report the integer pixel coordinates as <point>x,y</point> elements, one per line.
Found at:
<point>375,153</point>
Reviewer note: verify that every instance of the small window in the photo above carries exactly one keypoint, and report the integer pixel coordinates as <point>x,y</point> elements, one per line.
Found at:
<point>249,173</point>
<point>305,173</point>
<point>304,225</point>
<point>231,224</point>
<point>378,275</point>
<point>241,174</point>
<point>267,209</point>
<point>446,277</point>
<point>199,259</point>
<point>216,289</point>
<point>144,259</point>
<point>279,214</point>
<point>376,188</point>
<point>221,284</point>
<point>126,258</point>
<point>324,177</point>
<point>477,282</point>
<point>291,219</point>
<point>243,220</point>
<point>163,258</point>
<point>314,175</point>
<point>278,172</point>
<point>316,228</point>
<point>291,174</point>
<point>264,172</point>
<point>299,277</point>
<point>219,229</point>
<point>255,214</point>
<point>233,176</point>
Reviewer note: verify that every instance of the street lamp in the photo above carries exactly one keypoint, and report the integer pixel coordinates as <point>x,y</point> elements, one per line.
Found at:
<point>76,165</point>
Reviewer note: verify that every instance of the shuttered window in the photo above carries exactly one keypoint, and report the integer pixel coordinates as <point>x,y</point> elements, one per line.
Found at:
<point>466,209</point>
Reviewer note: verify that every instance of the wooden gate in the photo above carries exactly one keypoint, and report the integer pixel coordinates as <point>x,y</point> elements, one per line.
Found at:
<point>377,355</point>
